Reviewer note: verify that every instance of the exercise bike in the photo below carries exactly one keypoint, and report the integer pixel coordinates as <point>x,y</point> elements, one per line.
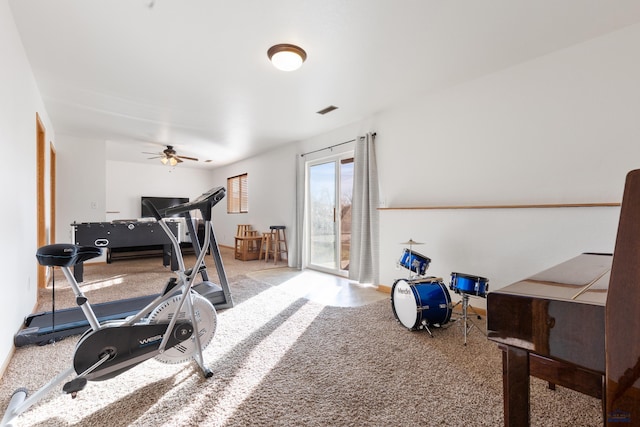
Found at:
<point>173,328</point>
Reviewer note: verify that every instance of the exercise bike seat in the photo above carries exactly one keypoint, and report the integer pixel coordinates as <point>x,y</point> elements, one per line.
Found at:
<point>65,254</point>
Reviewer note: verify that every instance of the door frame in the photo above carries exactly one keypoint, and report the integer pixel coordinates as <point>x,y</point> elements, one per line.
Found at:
<point>41,236</point>
<point>337,160</point>
<point>52,192</point>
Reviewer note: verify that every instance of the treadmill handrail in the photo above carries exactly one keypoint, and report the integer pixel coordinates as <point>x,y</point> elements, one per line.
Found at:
<point>203,203</point>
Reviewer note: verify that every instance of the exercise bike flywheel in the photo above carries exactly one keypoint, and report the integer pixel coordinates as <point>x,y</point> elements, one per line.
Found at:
<point>207,321</point>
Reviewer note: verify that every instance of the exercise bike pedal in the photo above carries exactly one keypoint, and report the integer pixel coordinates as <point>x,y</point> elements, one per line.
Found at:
<point>74,386</point>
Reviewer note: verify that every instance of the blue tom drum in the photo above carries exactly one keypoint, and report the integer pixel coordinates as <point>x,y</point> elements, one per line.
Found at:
<point>412,260</point>
<point>422,302</point>
<point>468,284</point>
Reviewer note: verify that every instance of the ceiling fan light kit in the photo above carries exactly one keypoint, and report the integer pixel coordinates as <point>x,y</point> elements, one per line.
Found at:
<point>169,156</point>
<point>286,57</point>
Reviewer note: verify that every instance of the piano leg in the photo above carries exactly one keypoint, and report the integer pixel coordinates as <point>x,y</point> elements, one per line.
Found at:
<point>515,384</point>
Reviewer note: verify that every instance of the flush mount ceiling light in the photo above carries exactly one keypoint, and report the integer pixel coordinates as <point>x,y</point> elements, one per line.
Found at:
<point>286,57</point>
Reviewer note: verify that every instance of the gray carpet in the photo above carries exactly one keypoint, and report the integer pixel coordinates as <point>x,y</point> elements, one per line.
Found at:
<point>281,360</point>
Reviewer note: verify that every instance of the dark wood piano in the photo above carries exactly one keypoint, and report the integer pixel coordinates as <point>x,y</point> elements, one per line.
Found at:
<point>576,325</point>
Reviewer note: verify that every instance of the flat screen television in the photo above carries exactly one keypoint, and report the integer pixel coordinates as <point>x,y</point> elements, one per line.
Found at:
<point>160,203</point>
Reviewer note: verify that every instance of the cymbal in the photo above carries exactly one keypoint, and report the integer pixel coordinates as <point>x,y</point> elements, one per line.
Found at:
<point>411,242</point>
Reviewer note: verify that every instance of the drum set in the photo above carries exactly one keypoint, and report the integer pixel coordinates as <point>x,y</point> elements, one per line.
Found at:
<point>423,302</point>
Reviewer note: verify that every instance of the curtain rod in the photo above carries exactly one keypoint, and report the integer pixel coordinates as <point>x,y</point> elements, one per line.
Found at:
<point>332,146</point>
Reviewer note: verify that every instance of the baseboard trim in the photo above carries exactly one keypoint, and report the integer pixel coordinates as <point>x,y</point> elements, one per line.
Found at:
<point>7,360</point>
<point>384,289</point>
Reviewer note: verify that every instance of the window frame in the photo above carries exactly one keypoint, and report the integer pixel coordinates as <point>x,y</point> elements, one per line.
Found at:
<point>238,194</point>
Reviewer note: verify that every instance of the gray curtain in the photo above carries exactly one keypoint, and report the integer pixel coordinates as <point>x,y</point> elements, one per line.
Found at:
<point>363,258</point>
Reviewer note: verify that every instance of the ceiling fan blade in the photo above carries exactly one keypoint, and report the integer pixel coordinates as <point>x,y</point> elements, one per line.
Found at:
<point>170,156</point>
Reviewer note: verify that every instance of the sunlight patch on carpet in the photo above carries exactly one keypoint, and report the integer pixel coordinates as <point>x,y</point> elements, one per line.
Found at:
<point>259,363</point>
<point>251,339</point>
<point>101,284</point>
<point>244,319</point>
<point>244,324</point>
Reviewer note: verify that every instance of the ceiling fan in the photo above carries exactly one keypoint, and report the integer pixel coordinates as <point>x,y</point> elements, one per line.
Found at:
<point>169,155</point>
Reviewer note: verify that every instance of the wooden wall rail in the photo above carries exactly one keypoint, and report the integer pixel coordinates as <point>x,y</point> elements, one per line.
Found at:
<point>538,206</point>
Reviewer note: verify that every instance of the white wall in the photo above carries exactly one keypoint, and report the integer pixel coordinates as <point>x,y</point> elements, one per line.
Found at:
<point>19,103</point>
<point>271,180</point>
<point>92,189</point>
<point>81,184</point>
<point>127,182</point>
<point>502,245</point>
<point>559,129</point>
<point>272,185</point>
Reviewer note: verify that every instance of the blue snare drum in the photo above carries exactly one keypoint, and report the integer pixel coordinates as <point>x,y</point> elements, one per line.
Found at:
<point>467,284</point>
<point>417,303</point>
<point>412,260</point>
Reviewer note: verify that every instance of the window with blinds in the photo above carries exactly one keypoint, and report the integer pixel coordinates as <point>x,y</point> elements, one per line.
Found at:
<point>238,194</point>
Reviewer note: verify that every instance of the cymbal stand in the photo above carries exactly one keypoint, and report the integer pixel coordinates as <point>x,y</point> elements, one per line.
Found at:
<point>468,323</point>
<point>411,264</point>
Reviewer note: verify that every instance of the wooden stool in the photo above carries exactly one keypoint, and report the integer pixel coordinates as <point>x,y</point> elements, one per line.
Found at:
<point>243,230</point>
<point>279,239</point>
<point>265,245</point>
<point>244,244</point>
<point>248,248</point>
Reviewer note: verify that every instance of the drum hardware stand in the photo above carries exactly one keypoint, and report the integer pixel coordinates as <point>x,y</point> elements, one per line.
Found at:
<point>468,323</point>
<point>425,326</point>
<point>412,242</point>
<point>450,323</point>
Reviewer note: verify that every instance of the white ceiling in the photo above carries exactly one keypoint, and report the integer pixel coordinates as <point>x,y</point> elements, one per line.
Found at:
<point>140,74</point>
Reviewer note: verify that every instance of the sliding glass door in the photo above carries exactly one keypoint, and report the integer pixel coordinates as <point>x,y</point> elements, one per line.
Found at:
<point>329,196</point>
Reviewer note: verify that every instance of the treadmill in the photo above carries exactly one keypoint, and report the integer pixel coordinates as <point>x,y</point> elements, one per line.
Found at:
<point>50,326</point>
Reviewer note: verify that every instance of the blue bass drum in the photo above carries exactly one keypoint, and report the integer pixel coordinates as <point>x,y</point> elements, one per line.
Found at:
<point>413,261</point>
<point>421,302</point>
<point>467,284</point>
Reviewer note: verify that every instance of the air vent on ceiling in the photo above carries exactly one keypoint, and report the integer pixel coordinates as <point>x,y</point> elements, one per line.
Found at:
<point>328,109</point>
